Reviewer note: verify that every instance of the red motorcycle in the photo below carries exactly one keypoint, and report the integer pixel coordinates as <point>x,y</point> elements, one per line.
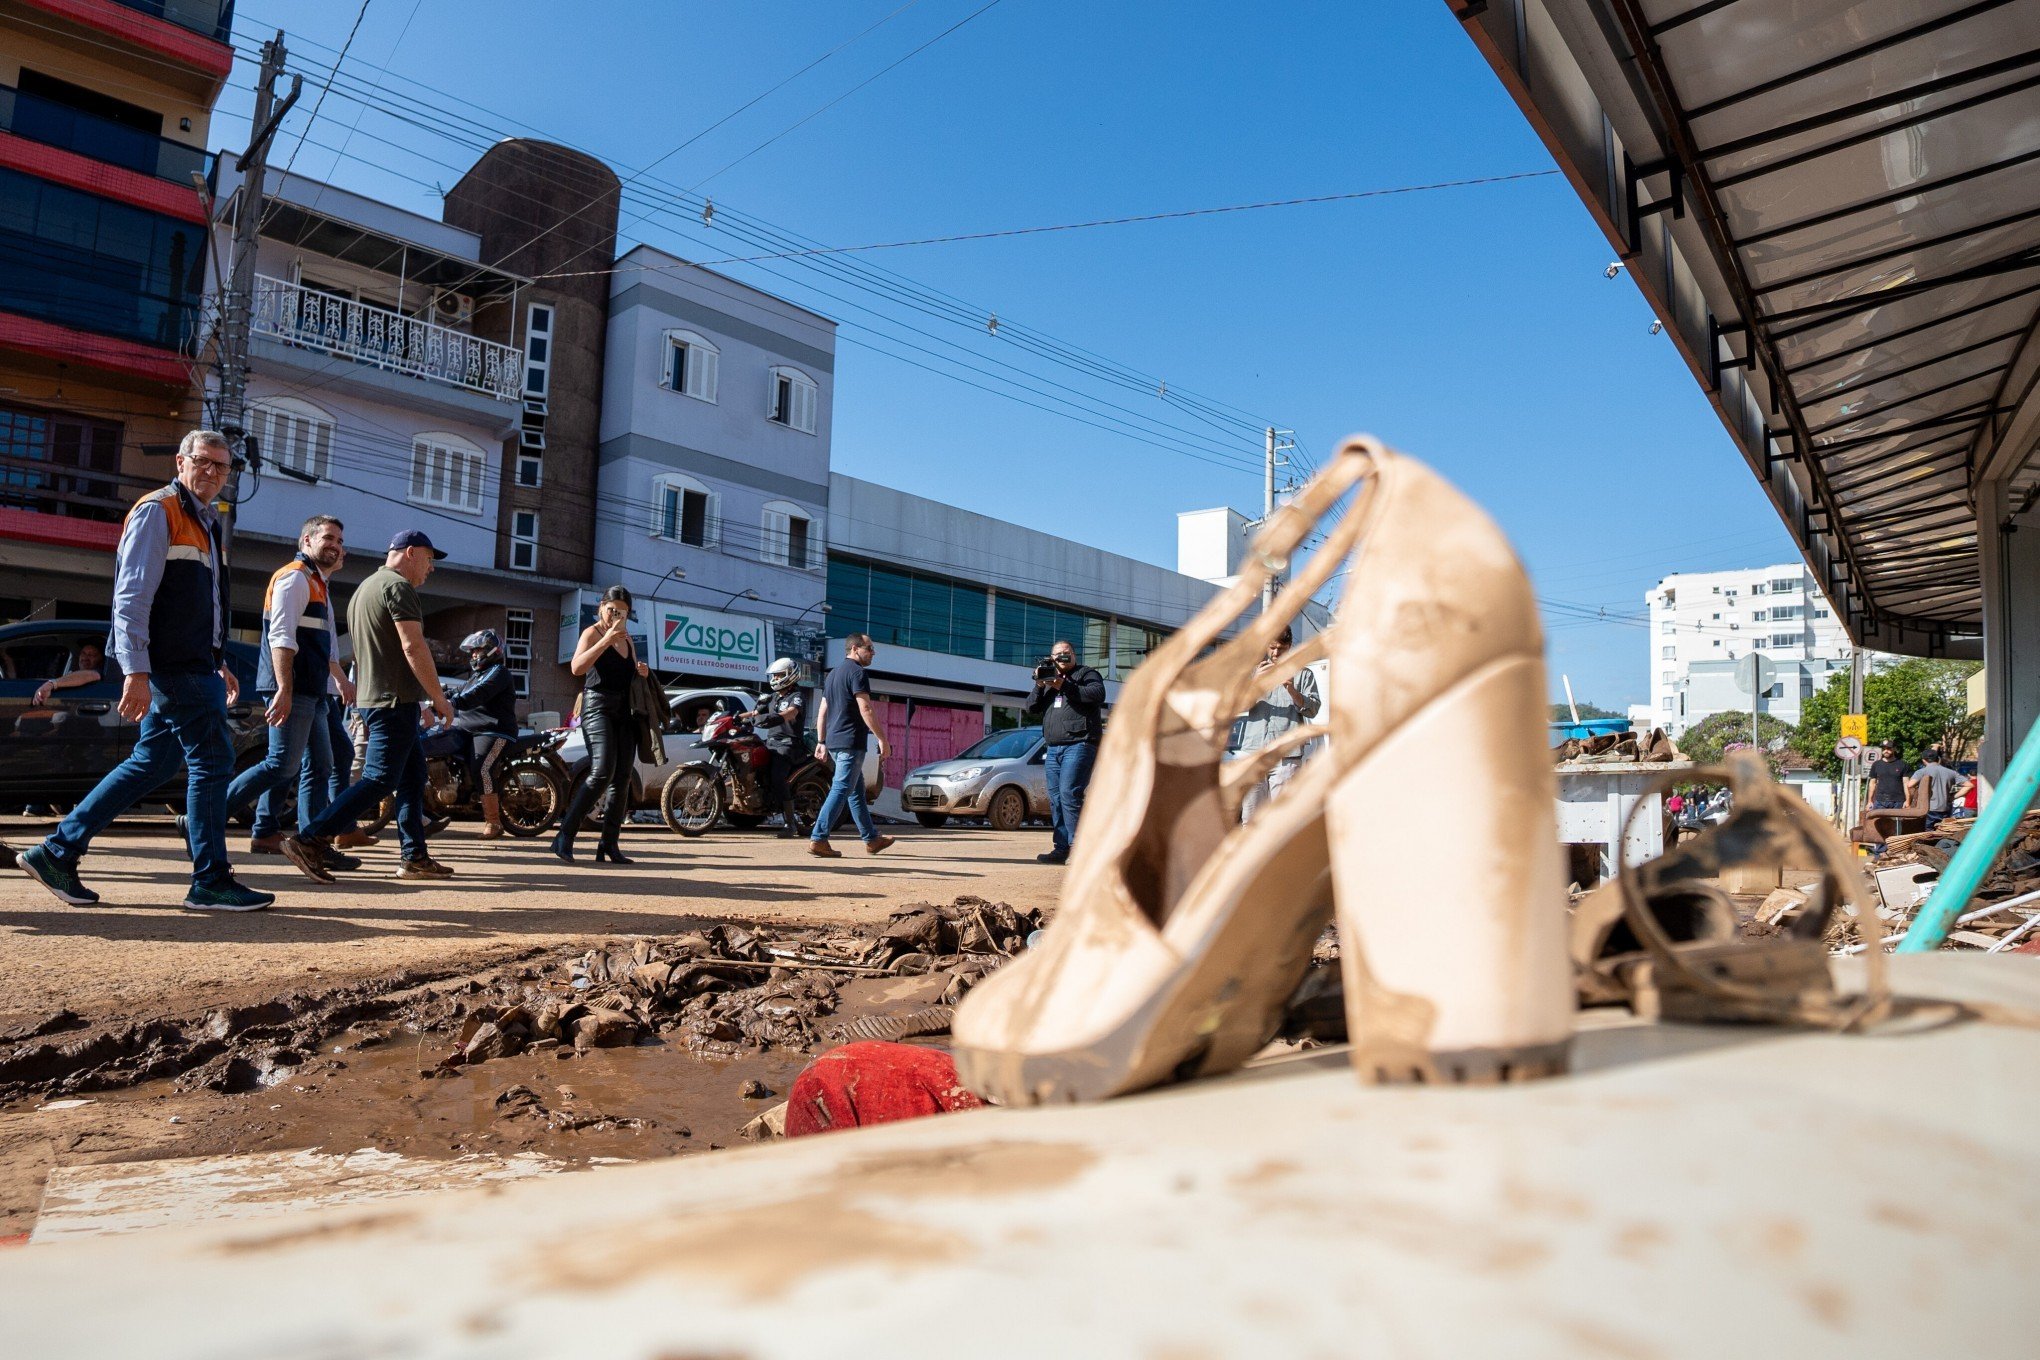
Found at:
<point>730,782</point>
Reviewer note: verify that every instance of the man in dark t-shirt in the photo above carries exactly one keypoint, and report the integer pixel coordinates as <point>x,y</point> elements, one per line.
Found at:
<point>847,728</point>
<point>1887,779</point>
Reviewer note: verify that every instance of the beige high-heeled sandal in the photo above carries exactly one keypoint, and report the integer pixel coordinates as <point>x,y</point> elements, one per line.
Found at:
<point>1182,933</point>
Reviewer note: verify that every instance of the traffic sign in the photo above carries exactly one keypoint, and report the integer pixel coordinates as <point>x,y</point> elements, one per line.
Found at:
<point>1856,725</point>
<point>1755,673</point>
<point>1849,748</point>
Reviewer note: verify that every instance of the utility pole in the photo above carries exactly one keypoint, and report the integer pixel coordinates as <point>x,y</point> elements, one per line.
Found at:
<point>1268,513</point>
<point>237,303</point>
<point>1852,791</point>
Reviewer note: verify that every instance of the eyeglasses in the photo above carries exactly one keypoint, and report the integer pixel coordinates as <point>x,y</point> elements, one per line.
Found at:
<point>212,464</point>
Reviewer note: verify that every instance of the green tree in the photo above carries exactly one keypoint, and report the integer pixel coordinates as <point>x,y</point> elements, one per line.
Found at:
<point>1561,713</point>
<point>1919,702</point>
<point>1707,740</point>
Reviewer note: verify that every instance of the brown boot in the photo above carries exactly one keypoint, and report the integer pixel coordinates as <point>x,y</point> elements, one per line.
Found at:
<point>492,816</point>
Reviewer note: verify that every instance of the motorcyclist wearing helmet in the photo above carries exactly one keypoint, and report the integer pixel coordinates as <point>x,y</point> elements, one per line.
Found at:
<point>486,708</point>
<point>777,720</point>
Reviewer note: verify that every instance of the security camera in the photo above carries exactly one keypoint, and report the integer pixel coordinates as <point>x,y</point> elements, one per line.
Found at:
<point>1612,270</point>
<point>1656,326</point>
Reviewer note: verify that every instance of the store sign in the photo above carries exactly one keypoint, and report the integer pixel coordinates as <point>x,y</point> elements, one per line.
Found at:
<point>706,642</point>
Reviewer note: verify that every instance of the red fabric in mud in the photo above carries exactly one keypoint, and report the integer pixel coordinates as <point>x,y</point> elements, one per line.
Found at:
<point>873,1083</point>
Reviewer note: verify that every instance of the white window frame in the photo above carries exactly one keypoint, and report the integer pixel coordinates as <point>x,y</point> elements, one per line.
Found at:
<point>449,472</point>
<point>517,626</point>
<point>803,399</point>
<point>775,536</point>
<point>529,463</point>
<point>1668,653</point>
<point>669,515</point>
<point>1786,640</point>
<point>700,364</point>
<point>541,368</point>
<point>524,540</point>
<point>294,435</point>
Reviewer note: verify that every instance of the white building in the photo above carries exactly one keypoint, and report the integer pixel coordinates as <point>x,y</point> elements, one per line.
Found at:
<point>1702,623</point>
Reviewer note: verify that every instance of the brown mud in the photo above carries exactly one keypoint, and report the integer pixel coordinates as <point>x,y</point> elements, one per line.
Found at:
<point>633,1049</point>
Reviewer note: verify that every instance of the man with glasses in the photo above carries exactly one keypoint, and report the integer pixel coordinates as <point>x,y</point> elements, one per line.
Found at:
<point>169,634</point>
<point>846,724</point>
<point>1069,700</point>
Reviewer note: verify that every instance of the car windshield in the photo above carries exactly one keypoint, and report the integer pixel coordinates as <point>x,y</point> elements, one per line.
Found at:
<point>1013,744</point>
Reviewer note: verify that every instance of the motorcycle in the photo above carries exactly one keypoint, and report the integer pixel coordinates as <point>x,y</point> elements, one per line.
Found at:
<point>729,783</point>
<point>530,779</point>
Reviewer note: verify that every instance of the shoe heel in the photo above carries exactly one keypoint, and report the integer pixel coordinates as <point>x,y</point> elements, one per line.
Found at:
<point>1452,925</point>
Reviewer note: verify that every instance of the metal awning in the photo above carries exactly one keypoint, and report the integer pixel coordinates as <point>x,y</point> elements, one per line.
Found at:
<point>1835,207</point>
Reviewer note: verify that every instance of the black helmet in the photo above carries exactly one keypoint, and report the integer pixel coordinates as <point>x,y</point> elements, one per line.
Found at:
<point>484,641</point>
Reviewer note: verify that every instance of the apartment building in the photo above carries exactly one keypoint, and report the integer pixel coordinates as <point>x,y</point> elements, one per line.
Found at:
<point>370,396</point>
<point>713,491</point>
<point>1702,623</point>
<point>104,115</point>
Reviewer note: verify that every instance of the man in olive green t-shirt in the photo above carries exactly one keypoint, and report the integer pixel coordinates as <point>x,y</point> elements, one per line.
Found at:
<point>393,674</point>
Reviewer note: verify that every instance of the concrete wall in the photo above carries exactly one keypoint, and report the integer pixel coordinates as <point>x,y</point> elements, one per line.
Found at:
<point>727,445</point>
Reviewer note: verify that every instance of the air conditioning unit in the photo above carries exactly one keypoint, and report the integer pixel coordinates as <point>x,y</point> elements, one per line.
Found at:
<point>452,309</point>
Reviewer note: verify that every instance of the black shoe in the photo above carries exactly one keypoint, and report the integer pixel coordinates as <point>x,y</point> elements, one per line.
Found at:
<point>563,848</point>
<point>1053,857</point>
<point>608,851</point>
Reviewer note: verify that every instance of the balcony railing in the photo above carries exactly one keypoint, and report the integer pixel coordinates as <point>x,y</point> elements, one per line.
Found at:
<point>53,124</point>
<point>311,319</point>
<point>208,18</point>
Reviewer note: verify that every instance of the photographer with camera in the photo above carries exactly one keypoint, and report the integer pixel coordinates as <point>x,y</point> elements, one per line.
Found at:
<point>1070,701</point>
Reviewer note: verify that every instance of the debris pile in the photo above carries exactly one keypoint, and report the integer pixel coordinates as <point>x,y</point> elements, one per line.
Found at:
<point>2005,909</point>
<point>729,990</point>
<point>1617,748</point>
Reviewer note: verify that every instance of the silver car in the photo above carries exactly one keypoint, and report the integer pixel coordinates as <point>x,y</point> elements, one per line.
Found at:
<point>1001,778</point>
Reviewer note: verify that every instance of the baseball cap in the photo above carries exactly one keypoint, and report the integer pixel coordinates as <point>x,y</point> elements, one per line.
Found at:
<point>414,538</point>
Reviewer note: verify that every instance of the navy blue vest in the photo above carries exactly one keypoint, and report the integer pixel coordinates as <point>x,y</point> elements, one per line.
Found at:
<point>192,593</point>
<point>309,673</point>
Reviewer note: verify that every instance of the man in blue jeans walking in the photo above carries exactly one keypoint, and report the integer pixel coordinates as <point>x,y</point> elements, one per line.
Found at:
<point>169,633</point>
<point>847,723</point>
<point>297,676</point>
<point>1070,701</point>
<point>393,673</point>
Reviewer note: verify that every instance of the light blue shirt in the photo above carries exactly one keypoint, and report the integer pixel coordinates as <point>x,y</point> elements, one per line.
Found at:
<point>138,571</point>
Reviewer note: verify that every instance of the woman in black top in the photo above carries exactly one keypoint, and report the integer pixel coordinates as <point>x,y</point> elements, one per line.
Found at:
<point>609,661</point>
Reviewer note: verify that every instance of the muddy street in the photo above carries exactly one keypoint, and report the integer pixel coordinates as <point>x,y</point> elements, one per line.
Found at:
<point>346,1018</point>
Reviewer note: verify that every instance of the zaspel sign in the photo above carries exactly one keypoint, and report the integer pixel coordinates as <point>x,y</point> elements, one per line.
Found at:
<point>704,641</point>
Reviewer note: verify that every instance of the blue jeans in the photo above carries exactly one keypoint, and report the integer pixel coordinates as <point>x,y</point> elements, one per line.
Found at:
<point>395,764</point>
<point>187,717</point>
<point>303,733</point>
<point>1069,774</point>
<point>846,787</point>
<point>321,797</point>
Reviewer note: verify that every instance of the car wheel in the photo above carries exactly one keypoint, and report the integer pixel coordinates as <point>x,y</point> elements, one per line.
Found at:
<point>1008,810</point>
<point>932,819</point>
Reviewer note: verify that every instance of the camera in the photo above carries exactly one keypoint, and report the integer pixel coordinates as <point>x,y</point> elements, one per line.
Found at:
<point>1045,669</point>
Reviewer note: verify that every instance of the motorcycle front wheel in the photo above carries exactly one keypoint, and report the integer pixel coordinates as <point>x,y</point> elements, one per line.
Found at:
<point>692,800</point>
<point>532,799</point>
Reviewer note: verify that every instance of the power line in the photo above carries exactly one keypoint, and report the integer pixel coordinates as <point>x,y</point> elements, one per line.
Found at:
<point>847,93</point>
<point>1006,232</point>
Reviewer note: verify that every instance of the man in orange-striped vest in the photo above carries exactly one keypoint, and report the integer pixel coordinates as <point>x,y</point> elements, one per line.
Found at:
<point>169,633</point>
<point>297,677</point>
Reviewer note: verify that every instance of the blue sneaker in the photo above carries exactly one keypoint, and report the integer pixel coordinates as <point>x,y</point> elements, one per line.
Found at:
<point>60,878</point>
<point>226,895</point>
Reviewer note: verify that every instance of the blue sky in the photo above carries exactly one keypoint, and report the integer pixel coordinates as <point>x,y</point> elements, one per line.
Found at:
<point>1471,327</point>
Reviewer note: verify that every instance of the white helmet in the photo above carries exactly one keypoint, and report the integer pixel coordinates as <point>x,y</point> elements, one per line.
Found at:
<point>782,674</point>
